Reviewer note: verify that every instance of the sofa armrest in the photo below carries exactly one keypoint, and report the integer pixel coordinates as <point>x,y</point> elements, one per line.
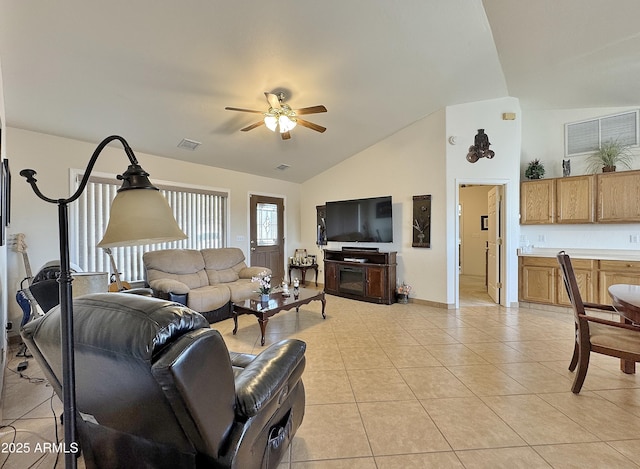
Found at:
<point>167,285</point>
<point>266,377</point>
<point>249,272</point>
<point>241,360</point>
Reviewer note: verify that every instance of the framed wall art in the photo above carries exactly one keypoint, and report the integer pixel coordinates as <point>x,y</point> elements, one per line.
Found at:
<point>421,221</point>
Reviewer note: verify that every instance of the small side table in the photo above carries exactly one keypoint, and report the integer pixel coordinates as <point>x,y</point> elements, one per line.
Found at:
<point>303,271</point>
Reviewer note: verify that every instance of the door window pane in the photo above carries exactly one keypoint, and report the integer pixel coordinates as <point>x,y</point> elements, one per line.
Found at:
<point>267,221</point>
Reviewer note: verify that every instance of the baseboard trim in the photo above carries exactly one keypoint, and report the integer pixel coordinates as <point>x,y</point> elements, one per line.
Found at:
<point>545,307</point>
<point>434,304</point>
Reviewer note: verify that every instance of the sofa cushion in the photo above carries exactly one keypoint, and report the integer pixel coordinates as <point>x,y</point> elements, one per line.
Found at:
<point>184,265</point>
<point>222,258</point>
<point>250,272</point>
<point>222,276</point>
<point>242,289</point>
<point>208,298</point>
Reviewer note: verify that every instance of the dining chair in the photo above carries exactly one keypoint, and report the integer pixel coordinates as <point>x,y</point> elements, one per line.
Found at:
<point>593,333</point>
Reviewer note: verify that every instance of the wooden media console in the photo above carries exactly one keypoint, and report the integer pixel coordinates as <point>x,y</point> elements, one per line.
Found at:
<point>361,274</point>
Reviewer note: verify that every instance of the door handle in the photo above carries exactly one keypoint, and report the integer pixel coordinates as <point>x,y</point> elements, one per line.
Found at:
<point>253,249</point>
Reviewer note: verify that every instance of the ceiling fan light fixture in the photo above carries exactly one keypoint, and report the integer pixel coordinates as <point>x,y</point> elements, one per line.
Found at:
<point>286,123</point>
<point>271,122</point>
<point>281,118</point>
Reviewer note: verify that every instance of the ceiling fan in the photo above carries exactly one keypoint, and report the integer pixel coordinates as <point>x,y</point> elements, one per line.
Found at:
<point>281,118</point>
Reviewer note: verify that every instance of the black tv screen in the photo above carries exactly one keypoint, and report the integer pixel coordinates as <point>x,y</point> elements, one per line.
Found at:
<point>360,220</point>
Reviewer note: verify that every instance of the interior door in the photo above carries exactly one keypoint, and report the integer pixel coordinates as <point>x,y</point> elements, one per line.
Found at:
<point>267,234</point>
<point>494,244</point>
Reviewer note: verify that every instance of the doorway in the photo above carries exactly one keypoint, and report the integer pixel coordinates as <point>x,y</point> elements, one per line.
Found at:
<point>480,244</point>
<point>266,228</point>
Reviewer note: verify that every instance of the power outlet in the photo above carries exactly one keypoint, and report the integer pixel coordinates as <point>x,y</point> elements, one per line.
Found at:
<point>634,238</point>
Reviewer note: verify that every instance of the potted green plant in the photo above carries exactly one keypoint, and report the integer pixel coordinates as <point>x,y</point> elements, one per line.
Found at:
<point>610,155</point>
<point>535,170</point>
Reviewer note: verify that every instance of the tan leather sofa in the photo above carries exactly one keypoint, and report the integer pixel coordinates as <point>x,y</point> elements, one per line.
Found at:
<point>206,280</point>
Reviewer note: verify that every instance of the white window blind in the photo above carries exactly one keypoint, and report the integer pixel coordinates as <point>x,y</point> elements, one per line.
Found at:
<point>587,136</point>
<point>200,213</point>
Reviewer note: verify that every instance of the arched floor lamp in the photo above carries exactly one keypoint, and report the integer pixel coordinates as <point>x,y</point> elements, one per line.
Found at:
<point>137,217</point>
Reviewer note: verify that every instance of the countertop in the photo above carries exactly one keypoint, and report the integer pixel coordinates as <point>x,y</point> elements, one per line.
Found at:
<point>600,254</point>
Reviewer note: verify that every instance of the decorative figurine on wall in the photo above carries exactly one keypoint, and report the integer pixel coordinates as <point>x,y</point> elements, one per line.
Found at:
<point>566,168</point>
<point>480,148</point>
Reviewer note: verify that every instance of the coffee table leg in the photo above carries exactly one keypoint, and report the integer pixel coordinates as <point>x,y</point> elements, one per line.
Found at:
<point>235,322</point>
<point>263,327</point>
<point>324,302</point>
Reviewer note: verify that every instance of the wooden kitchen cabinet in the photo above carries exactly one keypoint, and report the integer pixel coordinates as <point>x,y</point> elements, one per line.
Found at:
<point>600,198</point>
<point>619,197</point>
<point>612,272</point>
<point>537,280</point>
<point>586,274</point>
<point>540,279</point>
<point>537,202</point>
<point>576,199</point>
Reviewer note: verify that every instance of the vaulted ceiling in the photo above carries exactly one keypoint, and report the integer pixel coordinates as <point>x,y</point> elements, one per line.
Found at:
<point>156,72</point>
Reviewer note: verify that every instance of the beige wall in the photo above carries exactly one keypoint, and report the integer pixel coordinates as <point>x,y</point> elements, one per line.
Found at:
<point>409,162</point>
<point>52,158</point>
<point>418,160</point>
<point>473,201</point>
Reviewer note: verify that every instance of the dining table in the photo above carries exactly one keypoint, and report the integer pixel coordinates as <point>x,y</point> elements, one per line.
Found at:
<point>625,298</point>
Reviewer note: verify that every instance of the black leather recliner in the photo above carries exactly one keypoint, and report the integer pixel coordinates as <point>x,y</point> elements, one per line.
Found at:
<point>156,387</point>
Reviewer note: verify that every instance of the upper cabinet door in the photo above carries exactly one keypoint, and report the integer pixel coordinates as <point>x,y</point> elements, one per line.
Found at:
<point>619,197</point>
<point>537,202</point>
<point>576,199</point>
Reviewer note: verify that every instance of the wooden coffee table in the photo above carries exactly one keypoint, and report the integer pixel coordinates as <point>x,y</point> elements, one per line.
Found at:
<point>277,302</point>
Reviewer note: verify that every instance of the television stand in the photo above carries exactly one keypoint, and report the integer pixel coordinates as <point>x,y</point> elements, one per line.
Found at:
<point>361,274</point>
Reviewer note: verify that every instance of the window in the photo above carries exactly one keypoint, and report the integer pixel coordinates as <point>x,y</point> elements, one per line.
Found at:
<point>586,136</point>
<point>200,212</point>
<point>267,223</point>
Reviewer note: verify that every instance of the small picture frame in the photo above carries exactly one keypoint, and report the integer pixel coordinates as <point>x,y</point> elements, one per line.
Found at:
<point>299,256</point>
<point>484,222</point>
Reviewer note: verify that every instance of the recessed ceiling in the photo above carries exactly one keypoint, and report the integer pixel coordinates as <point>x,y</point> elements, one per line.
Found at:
<point>158,73</point>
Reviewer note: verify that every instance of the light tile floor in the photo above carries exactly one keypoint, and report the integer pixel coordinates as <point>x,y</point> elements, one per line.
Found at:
<point>412,386</point>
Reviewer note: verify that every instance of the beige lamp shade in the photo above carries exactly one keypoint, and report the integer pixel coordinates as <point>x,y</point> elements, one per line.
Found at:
<point>140,216</point>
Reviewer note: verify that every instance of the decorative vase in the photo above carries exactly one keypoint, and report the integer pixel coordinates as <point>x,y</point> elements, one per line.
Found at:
<point>264,297</point>
<point>402,298</point>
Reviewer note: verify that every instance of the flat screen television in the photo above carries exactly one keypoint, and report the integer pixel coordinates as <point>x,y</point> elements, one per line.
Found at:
<point>360,220</point>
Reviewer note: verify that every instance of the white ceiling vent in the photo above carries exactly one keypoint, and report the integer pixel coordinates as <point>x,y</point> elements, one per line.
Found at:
<point>283,167</point>
<point>188,144</point>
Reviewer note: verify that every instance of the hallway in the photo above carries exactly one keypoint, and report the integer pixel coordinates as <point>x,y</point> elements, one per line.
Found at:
<point>473,291</point>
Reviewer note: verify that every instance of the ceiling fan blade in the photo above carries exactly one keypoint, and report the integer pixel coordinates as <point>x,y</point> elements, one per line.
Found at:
<point>243,110</point>
<point>285,135</point>
<point>273,100</point>
<point>310,110</point>
<point>310,125</point>
<point>252,126</point>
